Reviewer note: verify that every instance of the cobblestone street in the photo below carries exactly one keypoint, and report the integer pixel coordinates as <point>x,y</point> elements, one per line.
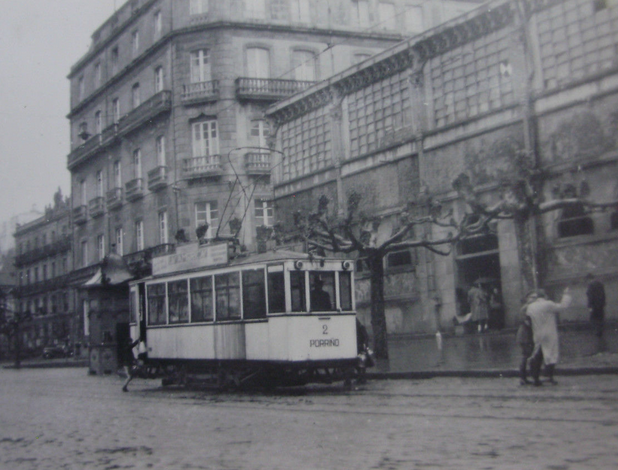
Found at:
<point>64,419</point>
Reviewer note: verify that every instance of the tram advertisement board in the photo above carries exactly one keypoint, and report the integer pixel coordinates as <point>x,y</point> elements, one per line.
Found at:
<point>190,256</point>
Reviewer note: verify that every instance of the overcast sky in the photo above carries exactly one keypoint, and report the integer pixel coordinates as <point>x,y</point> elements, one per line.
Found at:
<point>39,41</point>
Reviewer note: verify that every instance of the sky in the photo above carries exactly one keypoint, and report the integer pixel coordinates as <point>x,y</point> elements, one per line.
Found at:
<point>39,42</point>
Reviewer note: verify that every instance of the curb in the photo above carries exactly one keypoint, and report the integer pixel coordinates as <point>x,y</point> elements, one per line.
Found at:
<point>50,365</point>
<point>484,373</point>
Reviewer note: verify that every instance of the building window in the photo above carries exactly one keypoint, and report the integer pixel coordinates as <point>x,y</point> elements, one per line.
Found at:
<point>574,221</point>
<point>207,213</point>
<point>139,235</point>
<point>613,220</point>
<point>119,240</point>
<point>305,66</point>
<point>256,9</point>
<point>117,174</point>
<point>264,213</point>
<point>137,163</point>
<point>258,62</point>
<point>388,17</point>
<point>81,88</point>
<point>160,145</point>
<point>135,96</point>
<point>98,123</point>
<point>97,75</point>
<point>399,259</point>
<point>158,79</point>
<point>114,60</point>
<point>163,227</point>
<point>198,7</point>
<point>205,138</point>
<point>200,66</point>
<point>83,193</point>
<point>84,253</point>
<point>135,42</point>
<point>100,247</point>
<point>299,11</point>
<point>360,12</point>
<point>414,19</point>
<point>116,110</point>
<point>53,269</point>
<point>100,183</point>
<point>44,272</point>
<point>260,130</point>
<point>158,24</point>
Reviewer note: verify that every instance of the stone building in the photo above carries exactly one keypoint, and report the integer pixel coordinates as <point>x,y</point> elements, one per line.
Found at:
<point>43,262</point>
<point>509,79</point>
<point>167,127</point>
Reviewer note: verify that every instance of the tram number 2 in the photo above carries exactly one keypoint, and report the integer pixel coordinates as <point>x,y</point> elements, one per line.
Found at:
<point>324,329</point>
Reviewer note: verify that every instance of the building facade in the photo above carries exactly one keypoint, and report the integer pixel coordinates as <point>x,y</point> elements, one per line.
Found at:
<point>169,140</point>
<point>42,294</point>
<point>531,78</point>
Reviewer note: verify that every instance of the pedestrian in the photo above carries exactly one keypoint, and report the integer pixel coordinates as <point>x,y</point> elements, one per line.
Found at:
<point>524,338</point>
<point>128,361</point>
<point>596,303</point>
<point>543,314</point>
<point>479,305</point>
<point>362,351</point>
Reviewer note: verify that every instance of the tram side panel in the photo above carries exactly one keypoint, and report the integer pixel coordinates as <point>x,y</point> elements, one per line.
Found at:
<point>189,342</point>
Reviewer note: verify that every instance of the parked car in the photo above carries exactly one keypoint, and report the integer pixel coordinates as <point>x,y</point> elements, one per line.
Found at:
<point>51,352</point>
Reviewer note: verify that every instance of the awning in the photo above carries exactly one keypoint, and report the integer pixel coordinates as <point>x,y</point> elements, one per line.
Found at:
<point>113,271</point>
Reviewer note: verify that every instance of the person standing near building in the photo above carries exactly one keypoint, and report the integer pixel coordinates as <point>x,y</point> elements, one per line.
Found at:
<point>596,303</point>
<point>543,314</point>
<point>524,339</point>
<point>479,305</point>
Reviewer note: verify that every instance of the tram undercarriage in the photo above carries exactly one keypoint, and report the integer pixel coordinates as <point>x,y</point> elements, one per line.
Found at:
<point>236,375</point>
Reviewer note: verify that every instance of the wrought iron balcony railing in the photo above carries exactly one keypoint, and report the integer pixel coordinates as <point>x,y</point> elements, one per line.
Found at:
<point>42,252</point>
<point>268,88</point>
<point>202,91</point>
<point>114,198</point>
<point>96,207</point>
<point>197,167</point>
<point>157,178</point>
<point>149,109</point>
<point>80,214</point>
<point>257,163</point>
<point>134,189</point>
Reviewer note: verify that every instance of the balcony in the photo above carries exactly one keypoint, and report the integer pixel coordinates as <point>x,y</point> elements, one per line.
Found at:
<point>257,163</point>
<point>109,133</point>
<point>39,253</point>
<point>86,149</point>
<point>134,189</point>
<point>157,178</point>
<point>146,112</point>
<point>198,167</point>
<point>80,214</point>
<point>202,91</point>
<point>140,262</point>
<point>268,88</point>
<point>96,207</point>
<point>114,198</point>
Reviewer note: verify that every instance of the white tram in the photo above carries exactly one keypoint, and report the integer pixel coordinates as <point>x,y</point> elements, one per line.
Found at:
<point>258,318</point>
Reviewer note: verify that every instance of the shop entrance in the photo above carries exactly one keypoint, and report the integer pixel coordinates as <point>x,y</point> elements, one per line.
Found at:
<point>478,259</point>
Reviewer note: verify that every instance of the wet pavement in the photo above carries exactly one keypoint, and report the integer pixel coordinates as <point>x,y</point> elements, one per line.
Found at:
<point>496,352</point>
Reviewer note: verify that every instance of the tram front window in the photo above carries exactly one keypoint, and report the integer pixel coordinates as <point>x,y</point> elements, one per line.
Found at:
<point>322,291</point>
<point>276,292</point>
<point>345,288</point>
<point>253,294</point>
<point>297,288</point>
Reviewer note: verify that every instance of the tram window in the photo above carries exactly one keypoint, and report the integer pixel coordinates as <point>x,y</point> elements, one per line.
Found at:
<point>227,288</point>
<point>276,292</point>
<point>322,291</point>
<point>201,299</point>
<point>345,288</point>
<point>253,294</point>
<point>178,298</point>
<point>133,306</point>
<point>297,287</point>
<point>156,304</point>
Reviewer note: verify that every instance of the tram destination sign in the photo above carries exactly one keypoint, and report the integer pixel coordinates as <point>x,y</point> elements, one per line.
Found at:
<point>190,256</point>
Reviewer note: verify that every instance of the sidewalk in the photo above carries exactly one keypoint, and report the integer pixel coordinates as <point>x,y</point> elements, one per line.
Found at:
<point>494,354</point>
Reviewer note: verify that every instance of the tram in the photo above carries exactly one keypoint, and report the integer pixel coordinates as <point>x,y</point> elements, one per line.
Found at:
<point>278,319</point>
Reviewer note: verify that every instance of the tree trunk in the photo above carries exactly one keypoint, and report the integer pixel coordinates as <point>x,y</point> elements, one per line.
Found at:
<point>527,255</point>
<point>378,316</point>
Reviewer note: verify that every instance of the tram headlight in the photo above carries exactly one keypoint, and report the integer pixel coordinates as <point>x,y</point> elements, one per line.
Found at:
<point>346,265</point>
<point>298,264</point>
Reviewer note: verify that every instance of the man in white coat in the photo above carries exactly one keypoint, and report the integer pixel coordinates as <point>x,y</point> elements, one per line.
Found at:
<point>543,314</point>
